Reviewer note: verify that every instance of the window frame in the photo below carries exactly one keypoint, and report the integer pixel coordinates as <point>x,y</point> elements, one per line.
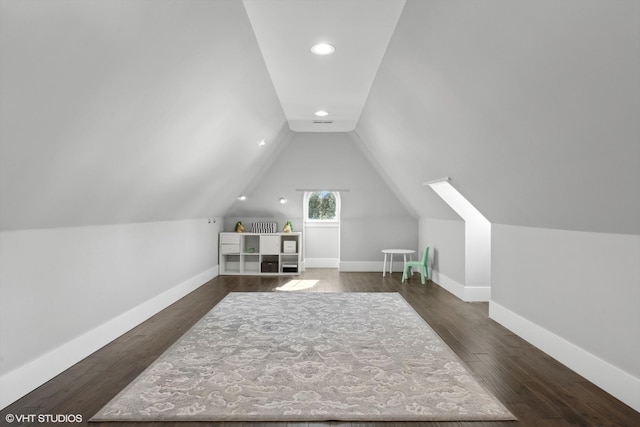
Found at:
<point>307,196</point>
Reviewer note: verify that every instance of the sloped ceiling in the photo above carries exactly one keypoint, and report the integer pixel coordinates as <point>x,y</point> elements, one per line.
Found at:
<point>532,108</point>
<point>129,111</point>
<point>339,83</point>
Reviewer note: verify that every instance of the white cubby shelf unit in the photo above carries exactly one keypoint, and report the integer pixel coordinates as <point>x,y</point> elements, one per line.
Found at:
<point>260,253</point>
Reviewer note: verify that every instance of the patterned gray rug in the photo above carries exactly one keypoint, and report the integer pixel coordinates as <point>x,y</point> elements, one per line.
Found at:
<point>307,357</point>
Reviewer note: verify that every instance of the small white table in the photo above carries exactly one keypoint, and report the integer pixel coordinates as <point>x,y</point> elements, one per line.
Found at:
<point>393,252</point>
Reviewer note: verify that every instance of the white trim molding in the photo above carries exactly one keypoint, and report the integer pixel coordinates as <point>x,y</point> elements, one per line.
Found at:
<point>465,293</point>
<point>613,380</point>
<point>369,266</point>
<point>321,262</point>
<point>21,381</point>
<point>436,181</point>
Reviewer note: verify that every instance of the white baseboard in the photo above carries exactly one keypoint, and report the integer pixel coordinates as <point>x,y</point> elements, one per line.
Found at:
<point>465,293</point>
<point>321,262</point>
<point>613,380</point>
<point>477,293</point>
<point>21,381</point>
<point>369,266</point>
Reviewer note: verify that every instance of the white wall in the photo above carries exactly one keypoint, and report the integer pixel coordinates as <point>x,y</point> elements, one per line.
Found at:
<point>477,260</point>
<point>129,111</point>
<point>322,245</point>
<point>66,292</point>
<point>576,295</point>
<point>477,246</point>
<point>446,238</point>
<point>531,107</point>
<point>363,238</point>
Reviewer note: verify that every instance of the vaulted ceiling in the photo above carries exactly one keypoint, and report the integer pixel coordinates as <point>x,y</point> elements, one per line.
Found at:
<point>337,83</point>
<point>115,111</point>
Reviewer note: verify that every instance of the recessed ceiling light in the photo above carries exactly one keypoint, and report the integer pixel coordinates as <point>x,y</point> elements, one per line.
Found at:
<point>242,198</point>
<point>323,49</point>
<point>321,113</point>
<point>283,200</point>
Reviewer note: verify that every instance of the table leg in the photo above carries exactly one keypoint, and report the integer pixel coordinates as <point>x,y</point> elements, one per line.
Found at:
<point>391,265</point>
<point>384,265</point>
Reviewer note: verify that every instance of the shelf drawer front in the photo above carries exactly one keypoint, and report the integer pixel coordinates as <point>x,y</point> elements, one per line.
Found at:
<point>229,249</point>
<point>270,245</point>
<point>230,238</point>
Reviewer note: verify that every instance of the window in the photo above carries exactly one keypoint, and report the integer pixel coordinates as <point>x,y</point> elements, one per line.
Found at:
<point>322,206</point>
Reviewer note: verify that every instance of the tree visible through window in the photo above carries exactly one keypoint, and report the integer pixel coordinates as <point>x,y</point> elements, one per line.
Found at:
<point>322,206</point>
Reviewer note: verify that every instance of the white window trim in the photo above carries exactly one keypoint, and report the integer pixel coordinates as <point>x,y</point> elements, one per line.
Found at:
<point>322,224</point>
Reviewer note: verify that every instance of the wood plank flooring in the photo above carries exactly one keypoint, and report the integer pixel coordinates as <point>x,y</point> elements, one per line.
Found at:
<point>537,389</point>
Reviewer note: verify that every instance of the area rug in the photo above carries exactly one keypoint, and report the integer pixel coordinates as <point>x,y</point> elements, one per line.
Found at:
<point>307,356</point>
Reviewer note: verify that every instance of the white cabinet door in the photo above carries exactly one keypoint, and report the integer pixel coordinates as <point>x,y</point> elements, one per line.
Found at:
<point>270,245</point>
<point>229,249</point>
<point>230,238</point>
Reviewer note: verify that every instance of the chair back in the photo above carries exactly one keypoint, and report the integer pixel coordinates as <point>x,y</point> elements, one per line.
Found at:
<point>425,256</point>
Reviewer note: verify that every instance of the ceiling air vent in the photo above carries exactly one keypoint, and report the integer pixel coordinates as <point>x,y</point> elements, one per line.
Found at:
<point>322,122</point>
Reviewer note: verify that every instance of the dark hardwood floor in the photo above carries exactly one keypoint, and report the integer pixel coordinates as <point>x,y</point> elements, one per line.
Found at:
<point>537,389</point>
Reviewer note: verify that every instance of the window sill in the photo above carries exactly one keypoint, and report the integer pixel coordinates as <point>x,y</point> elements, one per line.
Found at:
<point>322,224</point>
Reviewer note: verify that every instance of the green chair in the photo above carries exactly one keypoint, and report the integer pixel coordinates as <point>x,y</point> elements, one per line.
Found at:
<point>422,265</point>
